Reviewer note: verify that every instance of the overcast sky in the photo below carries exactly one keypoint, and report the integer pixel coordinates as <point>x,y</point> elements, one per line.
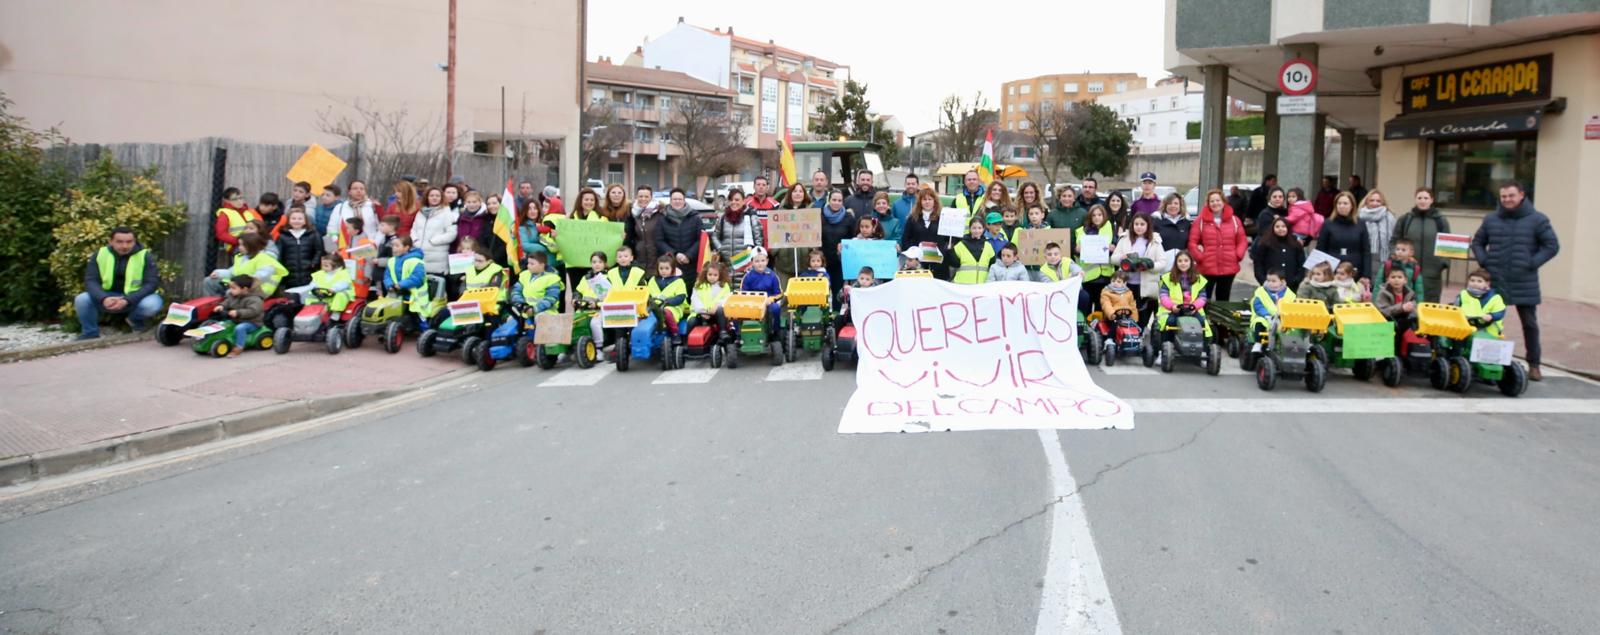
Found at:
<point>911,59</point>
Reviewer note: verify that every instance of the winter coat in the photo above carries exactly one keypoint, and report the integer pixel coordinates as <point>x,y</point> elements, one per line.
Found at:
<point>1173,232</point>
<point>728,239</point>
<point>408,217</point>
<point>1066,218</point>
<point>1217,247</point>
<point>248,305</point>
<point>1380,226</point>
<point>918,230</point>
<point>1324,202</point>
<point>858,203</point>
<point>834,233</point>
<point>301,255</point>
<point>1389,304</point>
<point>477,226</point>
<point>1326,292</point>
<point>678,232</point>
<point>1263,221</point>
<point>434,230</point>
<point>365,210</point>
<point>1512,244</point>
<point>1423,229</point>
<point>1112,301</point>
<point>639,232</point>
<point>1017,272</point>
<point>1149,278</point>
<point>1347,241</point>
<point>1304,219</point>
<point>1289,256</point>
<point>1258,200</point>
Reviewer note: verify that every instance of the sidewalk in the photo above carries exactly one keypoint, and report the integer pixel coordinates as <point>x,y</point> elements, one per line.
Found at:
<point>1567,332</point>
<point>79,398</point>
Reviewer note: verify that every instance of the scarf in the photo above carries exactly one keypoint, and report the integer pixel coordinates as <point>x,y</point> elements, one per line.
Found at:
<point>1117,287</point>
<point>1478,294</point>
<point>677,215</point>
<point>733,216</point>
<point>1321,285</point>
<point>832,217</point>
<point>1379,225</point>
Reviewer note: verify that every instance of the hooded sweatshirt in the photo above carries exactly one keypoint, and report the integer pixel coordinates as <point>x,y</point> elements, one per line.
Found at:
<point>1001,272</point>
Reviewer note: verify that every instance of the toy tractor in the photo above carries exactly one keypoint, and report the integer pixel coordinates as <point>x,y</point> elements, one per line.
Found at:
<point>1187,339</point>
<point>619,320</point>
<point>317,322</point>
<point>810,313</point>
<point>389,317</point>
<point>277,312</point>
<point>748,311</point>
<point>446,335</point>
<point>1465,354</point>
<point>215,338</point>
<point>1363,341</point>
<point>1121,335</point>
<point>1291,346</point>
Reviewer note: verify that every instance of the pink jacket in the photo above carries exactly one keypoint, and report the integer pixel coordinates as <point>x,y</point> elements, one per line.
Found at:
<point>1304,219</point>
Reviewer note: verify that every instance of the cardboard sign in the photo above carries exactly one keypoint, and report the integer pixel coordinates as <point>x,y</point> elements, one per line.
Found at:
<point>1492,351</point>
<point>318,167</point>
<point>460,263</point>
<point>931,254</point>
<point>1456,246</point>
<point>552,328</point>
<point>618,315</point>
<point>952,222</point>
<point>1031,242</point>
<point>878,254</point>
<point>179,314</point>
<point>576,239</point>
<point>1094,250</point>
<point>204,330</point>
<point>794,228</point>
<point>466,313</point>
<point>362,250</point>
<point>1319,256</point>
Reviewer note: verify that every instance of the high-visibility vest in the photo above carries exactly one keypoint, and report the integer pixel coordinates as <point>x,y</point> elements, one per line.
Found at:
<point>243,266</point>
<point>719,294</point>
<point>1094,272</point>
<point>478,278</point>
<point>237,221</point>
<point>1057,273</point>
<point>1265,298</point>
<point>340,299</point>
<point>1175,289</point>
<point>973,270</point>
<point>418,297</point>
<point>635,277</point>
<point>966,208</point>
<point>132,276</point>
<point>676,287</point>
<point>535,287</point>
<point>1472,306</point>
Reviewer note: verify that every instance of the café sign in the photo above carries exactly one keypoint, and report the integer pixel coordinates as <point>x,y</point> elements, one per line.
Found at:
<point>1493,84</point>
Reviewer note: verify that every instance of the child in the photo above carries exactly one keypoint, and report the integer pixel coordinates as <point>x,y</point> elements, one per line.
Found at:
<point>669,297</point>
<point>911,258</point>
<point>1009,222</point>
<point>252,260</point>
<point>243,307</point>
<point>816,265</point>
<point>705,304</point>
<point>1036,218</point>
<point>484,272</point>
<point>332,284</point>
<point>271,209</point>
<point>1009,268</point>
<point>591,290</point>
<point>1398,302</point>
<point>1319,285</point>
<point>1264,305</point>
<point>1484,308</point>
<point>994,230</point>
<point>1118,300</point>
<point>1403,258</point>
<point>760,279</point>
<point>387,229</point>
<point>300,248</point>
<point>1347,289</point>
<point>537,289</point>
<point>868,228</point>
<point>1055,269</point>
<point>974,252</point>
<point>1182,288</point>
<point>624,274</point>
<point>407,277</point>
<point>864,279</point>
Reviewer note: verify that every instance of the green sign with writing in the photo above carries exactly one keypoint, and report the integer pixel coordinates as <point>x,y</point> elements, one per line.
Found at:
<point>1368,341</point>
<point>577,239</point>
<point>1526,79</point>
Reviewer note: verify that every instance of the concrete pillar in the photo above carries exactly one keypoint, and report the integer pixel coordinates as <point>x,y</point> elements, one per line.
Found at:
<point>1347,155</point>
<point>1213,125</point>
<point>1358,165</point>
<point>1369,165</point>
<point>1269,154</point>
<point>1300,137</point>
<point>1319,143</point>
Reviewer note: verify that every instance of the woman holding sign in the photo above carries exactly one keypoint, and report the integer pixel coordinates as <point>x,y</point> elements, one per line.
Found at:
<point>1093,243</point>
<point>1422,225</point>
<point>922,231</point>
<point>838,224</point>
<point>736,235</point>
<point>1218,243</point>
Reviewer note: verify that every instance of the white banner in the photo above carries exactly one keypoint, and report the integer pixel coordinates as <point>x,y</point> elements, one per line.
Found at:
<point>938,356</point>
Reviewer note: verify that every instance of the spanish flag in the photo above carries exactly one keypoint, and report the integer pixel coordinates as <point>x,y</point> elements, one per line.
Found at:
<point>986,164</point>
<point>706,255</point>
<point>505,227</point>
<point>786,170</point>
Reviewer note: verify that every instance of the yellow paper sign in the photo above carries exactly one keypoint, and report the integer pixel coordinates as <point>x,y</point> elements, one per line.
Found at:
<point>317,166</point>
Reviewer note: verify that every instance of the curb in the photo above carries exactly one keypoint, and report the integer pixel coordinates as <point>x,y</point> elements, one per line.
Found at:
<point>31,467</point>
<point>53,350</point>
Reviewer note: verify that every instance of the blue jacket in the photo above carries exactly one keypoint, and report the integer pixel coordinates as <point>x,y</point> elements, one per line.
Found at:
<point>321,215</point>
<point>902,210</point>
<point>552,296</point>
<point>418,276</point>
<point>1263,311</point>
<point>761,281</point>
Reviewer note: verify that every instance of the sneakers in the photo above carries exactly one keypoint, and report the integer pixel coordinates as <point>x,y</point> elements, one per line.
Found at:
<point>84,337</point>
<point>1255,348</point>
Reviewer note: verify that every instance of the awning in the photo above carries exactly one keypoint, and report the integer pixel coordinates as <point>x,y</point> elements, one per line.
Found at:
<point>1451,125</point>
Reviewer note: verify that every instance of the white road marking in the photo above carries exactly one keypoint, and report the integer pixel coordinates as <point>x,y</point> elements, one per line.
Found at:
<point>798,371</point>
<point>1137,368</point>
<point>1075,598</point>
<point>579,376</point>
<point>1442,405</point>
<point>691,375</point>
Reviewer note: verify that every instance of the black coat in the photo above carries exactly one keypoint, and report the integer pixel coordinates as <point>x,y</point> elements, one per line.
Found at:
<point>1173,233</point>
<point>833,233</point>
<point>679,236</point>
<point>859,204</point>
<point>918,231</point>
<point>1263,222</point>
<point>1512,244</point>
<point>1289,256</point>
<point>1347,241</point>
<point>301,256</point>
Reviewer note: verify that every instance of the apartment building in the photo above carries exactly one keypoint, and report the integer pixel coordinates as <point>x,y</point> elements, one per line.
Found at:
<point>1019,97</point>
<point>643,100</point>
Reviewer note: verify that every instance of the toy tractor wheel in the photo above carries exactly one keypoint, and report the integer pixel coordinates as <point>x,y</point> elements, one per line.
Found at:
<point>731,354</point>
<point>1214,359</point>
<point>335,340</point>
<point>1391,372</point>
<point>624,351</point>
<point>425,342</point>
<point>524,351</point>
<point>1316,375</point>
<point>1364,369</point>
<point>666,352</point>
<point>775,348</point>
<point>280,340</point>
<point>1321,353</point>
<point>1460,374</point>
<point>265,343</point>
<point>828,357</point>
<point>466,348</point>
<point>1235,347</point>
<point>1091,354</point>
<point>716,356</point>
<point>1514,381</point>
<point>1109,355</point>
<point>545,359</point>
<point>678,354</point>
<point>169,334</point>
<point>791,347</point>
<point>1267,374</point>
<point>1147,354</point>
<point>585,352</point>
<point>393,337</point>
<point>353,336</point>
<point>1248,360</point>
<point>1169,352</point>
<point>1439,373</point>
<point>221,348</point>
<point>482,358</point>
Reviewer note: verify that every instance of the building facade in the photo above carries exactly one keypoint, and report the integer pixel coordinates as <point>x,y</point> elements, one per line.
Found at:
<point>644,101</point>
<point>1455,96</point>
<point>1019,97</point>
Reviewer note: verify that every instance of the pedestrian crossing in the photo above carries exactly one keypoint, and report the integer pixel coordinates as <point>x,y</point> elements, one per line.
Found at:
<point>695,373</point>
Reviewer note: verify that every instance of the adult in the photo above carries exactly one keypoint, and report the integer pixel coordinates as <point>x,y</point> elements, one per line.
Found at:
<point>120,279</point>
<point>882,211</point>
<point>1066,214</point>
<point>1344,236</point>
<point>997,198</point>
<point>904,203</point>
<point>860,200</point>
<point>1173,222</point>
<point>970,199</point>
<point>922,227</point>
<point>1237,199</point>
<point>760,199</point>
<point>357,205</point>
<point>1356,188</point>
<point>1218,244</point>
<point>1277,248</point>
<point>615,207</point>
<point>404,204</point>
<point>838,224</point>
<point>1148,201</point>
<point>1258,200</point>
<point>454,197</point>
<point>1088,197</point>
<point>678,231</point>
<point>1028,195</point>
<point>639,231</point>
<point>433,231</point>
<point>300,249</point>
<point>796,198</point>
<point>326,202</point>
<point>588,208</point>
<point>231,217</point>
<point>1422,226</point>
<point>737,230</point>
<point>1277,207</point>
<point>1513,243</point>
<point>819,188</point>
<point>1380,227</point>
<point>1324,201</point>
<point>528,232</point>
<point>1117,212</point>
<point>525,194</point>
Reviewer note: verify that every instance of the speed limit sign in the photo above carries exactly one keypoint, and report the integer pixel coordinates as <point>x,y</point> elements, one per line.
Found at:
<point>1297,77</point>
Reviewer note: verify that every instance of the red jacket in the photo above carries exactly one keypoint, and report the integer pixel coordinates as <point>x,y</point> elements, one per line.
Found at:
<point>219,226</point>
<point>1217,248</point>
<point>406,218</point>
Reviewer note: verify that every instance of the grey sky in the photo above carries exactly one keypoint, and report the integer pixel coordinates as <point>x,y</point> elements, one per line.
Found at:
<point>911,58</point>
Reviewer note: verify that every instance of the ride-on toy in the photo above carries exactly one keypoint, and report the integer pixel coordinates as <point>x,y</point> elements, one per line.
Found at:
<point>704,342</point>
<point>810,313</point>
<point>1230,326</point>
<point>184,316</point>
<point>512,338</point>
<point>1120,335</point>
<point>317,322</point>
<point>446,336</point>
<point>1187,338</point>
<point>388,317</point>
<point>619,322</point>
<point>747,310</point>
<point>215,338</point>
<point>1464,354</point>
<point>1290,346</point>
<point>1363,341</point>
<point>1090,343</point>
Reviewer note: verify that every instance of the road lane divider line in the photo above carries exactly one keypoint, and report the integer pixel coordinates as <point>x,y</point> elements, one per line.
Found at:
<point>1075,598</point>
<point>796,372</point>
<point>1443,405</point>
<point>686,376</point>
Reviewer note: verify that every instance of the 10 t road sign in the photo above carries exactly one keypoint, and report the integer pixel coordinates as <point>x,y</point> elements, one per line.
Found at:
<point>1297,77</point>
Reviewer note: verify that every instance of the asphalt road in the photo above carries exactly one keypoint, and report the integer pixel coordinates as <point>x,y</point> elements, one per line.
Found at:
<point>733,506</point>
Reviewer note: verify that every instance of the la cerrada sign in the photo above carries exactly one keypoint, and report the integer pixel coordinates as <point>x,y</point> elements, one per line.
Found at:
<point>1512,81</point>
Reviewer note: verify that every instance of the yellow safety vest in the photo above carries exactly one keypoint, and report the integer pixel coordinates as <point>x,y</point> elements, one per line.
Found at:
<point>1266,300</point>
<point>340,299</point>
<point>635,277</point>
<point>478,278</point>
<point>133,275</point>
<point>1055,274</point>
<point>966,208</point>
<point>243,266</point>
<point>973,270</point>
<point>418,297</point>
<point>534,288</point>
<point>1473,307</point>
<point>676,287</point>
<point>237,221</point>
<point>719,294</point>
<point>1093,272</point>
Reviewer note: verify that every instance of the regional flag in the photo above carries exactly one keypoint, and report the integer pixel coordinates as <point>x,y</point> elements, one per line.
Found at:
<point>986,164</point>
<point>505,227</point>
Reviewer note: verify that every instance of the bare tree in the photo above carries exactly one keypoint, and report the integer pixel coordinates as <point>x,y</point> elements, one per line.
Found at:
<point>392,143</point>
<point>962,124</point>
<point>603,133</point>
<point>710,137</point>
<point>1047,134</point>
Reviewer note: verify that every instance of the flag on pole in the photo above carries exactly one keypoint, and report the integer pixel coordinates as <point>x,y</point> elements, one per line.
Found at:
<point>505,227</point>
<point>986,164</point>
<point>705,251</point>
<point>786,170</point>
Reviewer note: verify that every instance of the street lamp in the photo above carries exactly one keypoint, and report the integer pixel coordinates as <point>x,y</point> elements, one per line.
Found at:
<point>872,118</point>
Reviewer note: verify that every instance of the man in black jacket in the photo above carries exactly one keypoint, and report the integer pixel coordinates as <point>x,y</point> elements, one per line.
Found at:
<point>1513,243</point>
<point>860,201</point>
<point>121,279</point>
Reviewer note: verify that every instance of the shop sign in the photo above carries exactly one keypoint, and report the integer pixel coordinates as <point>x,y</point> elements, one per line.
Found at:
<point>1493,84</point>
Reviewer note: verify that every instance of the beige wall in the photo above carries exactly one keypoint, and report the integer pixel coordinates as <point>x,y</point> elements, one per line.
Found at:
<point>174,70</point>
<point>1011,104</point>
<point>1567,168</point>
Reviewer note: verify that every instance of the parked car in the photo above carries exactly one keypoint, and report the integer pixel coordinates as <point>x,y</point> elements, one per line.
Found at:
<point>722,191</point>
<point>1191,200</point>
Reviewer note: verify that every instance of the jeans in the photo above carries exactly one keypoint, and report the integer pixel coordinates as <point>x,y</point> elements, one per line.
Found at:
<point>241,333</point>
<point>1529,315</point>
<point>89,312</point>
<point>1220,288</point>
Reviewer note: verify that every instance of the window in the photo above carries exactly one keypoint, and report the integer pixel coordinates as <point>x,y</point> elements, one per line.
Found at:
<point>1152,105</point>
<point>1469,173</point>
<point>1172,128</point>
<point>1044,106</point>
<point>1027,88</point>
<point>1097,87</point>
<point>1069,87</point>
<point>747,86</point>
<point>1174,103</point>
<point>1024,124</point>
<point>1025,106</point>
<point>644,135</point>
<point>1011,90</point>
<point>1048,87</point>
<point>1011,107</point>
<point>1022,152</point>
<point>666,102</point>
<point>1122,87</point>
<point>647,101</point>
<point>597,95</point>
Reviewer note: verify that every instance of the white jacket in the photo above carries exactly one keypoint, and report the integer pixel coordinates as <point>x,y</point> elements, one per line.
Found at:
<point>368,214</point>
<point>434,230</point>
<point>1149,279</point>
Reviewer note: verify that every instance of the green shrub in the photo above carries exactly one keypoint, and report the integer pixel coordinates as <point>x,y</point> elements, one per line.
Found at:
<point>29,185</point>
